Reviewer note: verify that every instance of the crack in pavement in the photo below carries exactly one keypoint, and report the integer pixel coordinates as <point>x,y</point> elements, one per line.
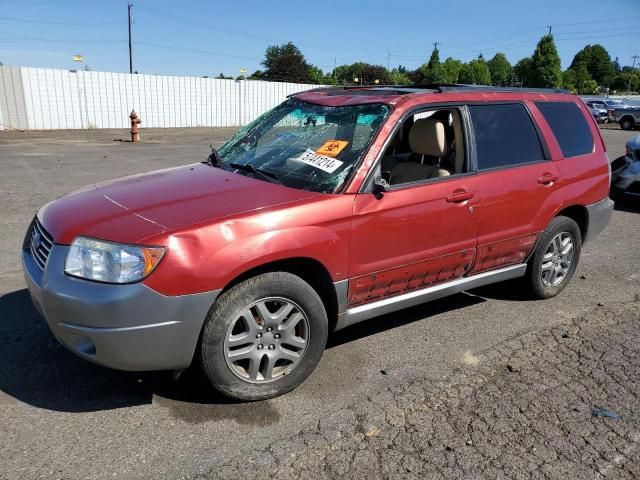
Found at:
<point>521,409</point>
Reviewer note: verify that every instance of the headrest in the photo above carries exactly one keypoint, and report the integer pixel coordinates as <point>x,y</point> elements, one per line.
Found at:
<point>427,137</point>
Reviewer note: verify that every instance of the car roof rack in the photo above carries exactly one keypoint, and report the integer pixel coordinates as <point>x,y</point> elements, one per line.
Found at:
<point>462,87</point>
<point>425,88</point>
<point>367,90</point>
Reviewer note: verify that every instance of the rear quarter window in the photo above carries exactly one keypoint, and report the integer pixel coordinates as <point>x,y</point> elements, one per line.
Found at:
<point>569,127</point>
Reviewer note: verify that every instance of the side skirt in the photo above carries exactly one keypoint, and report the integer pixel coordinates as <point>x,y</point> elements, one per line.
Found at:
<point>381,307</point>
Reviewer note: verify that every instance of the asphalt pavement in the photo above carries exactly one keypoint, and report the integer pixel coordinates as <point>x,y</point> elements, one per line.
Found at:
<point>65,418</point>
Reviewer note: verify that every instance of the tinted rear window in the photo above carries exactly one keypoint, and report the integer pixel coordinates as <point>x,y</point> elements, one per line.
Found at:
<point>505,136</point>
<point>569,126</point>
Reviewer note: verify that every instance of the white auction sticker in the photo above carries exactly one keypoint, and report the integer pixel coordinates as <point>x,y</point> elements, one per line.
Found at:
<point>326,164</point>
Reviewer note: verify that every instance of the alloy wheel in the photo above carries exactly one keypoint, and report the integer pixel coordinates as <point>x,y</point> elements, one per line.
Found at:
<point>266,340</point>
<point>557,259</point>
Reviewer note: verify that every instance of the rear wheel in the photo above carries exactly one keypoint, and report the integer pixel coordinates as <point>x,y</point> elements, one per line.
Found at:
<point>555,258</point>
<point>263,337</point>
<point>626,123</point>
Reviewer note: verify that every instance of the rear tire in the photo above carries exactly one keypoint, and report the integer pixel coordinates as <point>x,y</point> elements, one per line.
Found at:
<point>554,259</point>
<point>263,337</point>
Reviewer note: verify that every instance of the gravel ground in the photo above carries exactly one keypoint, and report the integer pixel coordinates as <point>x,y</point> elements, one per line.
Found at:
<point>538,406</point>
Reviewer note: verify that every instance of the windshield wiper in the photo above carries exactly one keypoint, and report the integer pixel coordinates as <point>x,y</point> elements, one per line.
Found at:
<point>247,167</point>
<point>214,159</point>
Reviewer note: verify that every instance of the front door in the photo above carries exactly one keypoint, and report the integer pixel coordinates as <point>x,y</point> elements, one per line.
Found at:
<point>412,237</point>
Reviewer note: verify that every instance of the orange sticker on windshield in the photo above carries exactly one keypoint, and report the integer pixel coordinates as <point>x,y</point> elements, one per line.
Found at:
<point>332,148</point>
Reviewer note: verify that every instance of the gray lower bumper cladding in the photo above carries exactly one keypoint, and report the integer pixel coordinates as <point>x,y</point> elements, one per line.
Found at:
<point>127,327</point>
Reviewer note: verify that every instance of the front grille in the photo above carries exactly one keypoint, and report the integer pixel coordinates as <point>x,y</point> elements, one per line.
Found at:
<point>618,163</point>
<point>40,244</point>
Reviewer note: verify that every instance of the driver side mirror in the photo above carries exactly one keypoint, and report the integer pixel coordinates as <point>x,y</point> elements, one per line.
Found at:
<point>380,186</point>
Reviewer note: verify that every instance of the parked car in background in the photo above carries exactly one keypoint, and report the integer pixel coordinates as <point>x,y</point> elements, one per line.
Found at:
<point>625,171</point>
<point>614,104</point>
<point>599,115</point>
<point>600,111</point>
<point>337,206</point>
<point>628,117</point>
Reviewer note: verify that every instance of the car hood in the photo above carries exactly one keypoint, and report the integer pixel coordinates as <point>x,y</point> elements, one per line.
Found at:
<point>133,208</point>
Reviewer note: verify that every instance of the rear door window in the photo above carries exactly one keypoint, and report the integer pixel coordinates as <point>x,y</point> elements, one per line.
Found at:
<point>569,126</point>
<point>505,136</point>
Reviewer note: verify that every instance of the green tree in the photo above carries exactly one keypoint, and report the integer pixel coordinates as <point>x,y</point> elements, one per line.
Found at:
<point>398,76</point>
<point>432,71</point>
<point>522,72</point>
<point>621,82</point>
<point>569,80</point>
<point>451,70</point>
<point>286,63</point>
<point>500,69</point>
<point>366,74</point>
<point>316,75</point>
<point>597,62</point>
<point>475,72</point>
<point>545,64</point>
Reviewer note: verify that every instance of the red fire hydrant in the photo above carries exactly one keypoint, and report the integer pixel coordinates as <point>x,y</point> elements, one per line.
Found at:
<point>135,136</point>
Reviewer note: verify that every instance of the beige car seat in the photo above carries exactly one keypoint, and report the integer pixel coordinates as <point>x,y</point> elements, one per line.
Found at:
<point>426,137</point>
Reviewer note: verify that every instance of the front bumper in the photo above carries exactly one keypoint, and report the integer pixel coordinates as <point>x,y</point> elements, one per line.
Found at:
<point>599,214</point>
<point>127,327</point>
<point>626,176</point>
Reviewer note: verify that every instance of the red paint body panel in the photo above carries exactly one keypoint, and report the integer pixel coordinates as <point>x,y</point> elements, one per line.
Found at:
<point>132,209</point>
<point>217,225</point>
<point>210,256</point>
<point>404,231</point>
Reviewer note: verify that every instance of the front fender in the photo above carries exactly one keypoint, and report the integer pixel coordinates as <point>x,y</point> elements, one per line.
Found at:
<point>313,242</point>
<point>209,257</point>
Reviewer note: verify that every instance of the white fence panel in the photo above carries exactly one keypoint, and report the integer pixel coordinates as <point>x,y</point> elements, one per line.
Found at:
<point>41,99</point>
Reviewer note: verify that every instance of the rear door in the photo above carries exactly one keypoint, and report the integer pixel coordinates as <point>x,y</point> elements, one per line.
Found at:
<point>517,180</point>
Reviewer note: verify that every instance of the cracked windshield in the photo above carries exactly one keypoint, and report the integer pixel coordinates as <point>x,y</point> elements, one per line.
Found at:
<point>304,146</point>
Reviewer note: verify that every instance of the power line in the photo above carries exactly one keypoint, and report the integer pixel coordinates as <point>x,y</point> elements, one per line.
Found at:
<point>60,40</point>
<point>190,50</point>
<point>590,22</point>
<point>47,22</point>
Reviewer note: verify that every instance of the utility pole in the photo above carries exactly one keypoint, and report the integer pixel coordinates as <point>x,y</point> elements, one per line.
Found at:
<point>388,59</point>
<point>435,45</point>
<point>633,67</point>
<point>129,5</point>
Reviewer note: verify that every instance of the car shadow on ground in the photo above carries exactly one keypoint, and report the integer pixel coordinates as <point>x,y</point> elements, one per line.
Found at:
<point>35,369</point>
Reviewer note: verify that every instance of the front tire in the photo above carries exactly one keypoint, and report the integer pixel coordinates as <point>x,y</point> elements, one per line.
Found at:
<point>263,337</point>
<point>555,258</point>
<point>626,123</point>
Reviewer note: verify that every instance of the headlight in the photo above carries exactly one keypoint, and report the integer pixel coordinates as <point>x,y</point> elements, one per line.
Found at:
<point>111,262</point>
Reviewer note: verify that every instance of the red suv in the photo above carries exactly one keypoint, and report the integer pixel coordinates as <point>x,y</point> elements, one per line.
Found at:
<point>337,206</point>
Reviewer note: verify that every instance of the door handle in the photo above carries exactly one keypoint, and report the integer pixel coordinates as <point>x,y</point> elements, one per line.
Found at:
<point>459,196</point>
<point>547,179</point>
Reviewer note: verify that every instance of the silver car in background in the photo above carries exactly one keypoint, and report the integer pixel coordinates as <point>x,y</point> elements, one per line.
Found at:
<point>625,171</point>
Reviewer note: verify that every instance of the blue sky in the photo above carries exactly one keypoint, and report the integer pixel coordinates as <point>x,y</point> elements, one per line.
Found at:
<point>205,37</point>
